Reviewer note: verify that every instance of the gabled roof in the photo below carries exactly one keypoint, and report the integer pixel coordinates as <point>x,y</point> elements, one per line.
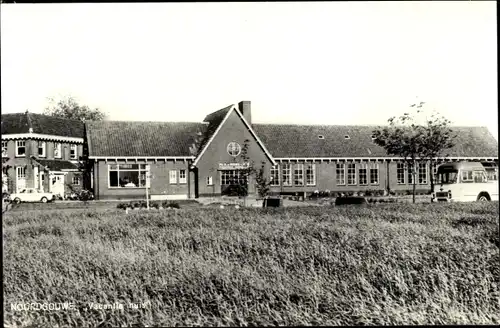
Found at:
<point>20,123</point>
<point>216,121</point>
<point>141,139</point>
<point>291,141</point>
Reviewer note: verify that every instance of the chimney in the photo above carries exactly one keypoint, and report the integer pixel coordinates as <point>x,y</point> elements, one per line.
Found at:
<point>245,109</point>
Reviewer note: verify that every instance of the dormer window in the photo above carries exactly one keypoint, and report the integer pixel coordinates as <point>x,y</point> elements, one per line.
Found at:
<point>321,137</point>
<point>346,137</point>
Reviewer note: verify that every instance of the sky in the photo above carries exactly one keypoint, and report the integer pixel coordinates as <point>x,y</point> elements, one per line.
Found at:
<point>340,63</point>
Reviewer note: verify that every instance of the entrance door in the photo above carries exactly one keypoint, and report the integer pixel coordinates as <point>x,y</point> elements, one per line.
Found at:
<point>20,178</point>
<point>233,182</point>
<point>42,181</point>
<point>57,184</point>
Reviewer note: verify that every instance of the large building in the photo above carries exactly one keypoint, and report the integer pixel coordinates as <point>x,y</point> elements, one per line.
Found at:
<point>42,152</point>
<point>179,160</point>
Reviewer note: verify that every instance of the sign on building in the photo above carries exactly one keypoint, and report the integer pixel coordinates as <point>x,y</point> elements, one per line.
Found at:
<point>233,166</point>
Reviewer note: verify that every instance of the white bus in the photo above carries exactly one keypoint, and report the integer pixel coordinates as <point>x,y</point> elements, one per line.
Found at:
<point>465,182</point>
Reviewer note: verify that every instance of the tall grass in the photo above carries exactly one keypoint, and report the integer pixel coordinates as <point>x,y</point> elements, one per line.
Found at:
<point>393,264</point>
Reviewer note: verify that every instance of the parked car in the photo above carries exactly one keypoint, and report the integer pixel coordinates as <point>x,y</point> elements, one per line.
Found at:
<point>32,195</point>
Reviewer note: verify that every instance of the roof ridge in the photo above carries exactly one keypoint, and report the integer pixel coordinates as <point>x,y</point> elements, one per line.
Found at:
<point>149,122</point>
<point>217,112</point>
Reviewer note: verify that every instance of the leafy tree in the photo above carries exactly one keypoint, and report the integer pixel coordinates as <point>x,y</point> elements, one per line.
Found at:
<point>415,138</point>
<point>68,107</point>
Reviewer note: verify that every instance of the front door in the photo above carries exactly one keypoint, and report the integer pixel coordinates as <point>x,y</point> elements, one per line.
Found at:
<point>57,184</point>
<point>42,181</point>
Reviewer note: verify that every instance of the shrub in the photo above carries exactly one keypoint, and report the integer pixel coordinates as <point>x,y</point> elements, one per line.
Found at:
<point>351,200</point>
<point>122,206</point>
<point>167,204</point>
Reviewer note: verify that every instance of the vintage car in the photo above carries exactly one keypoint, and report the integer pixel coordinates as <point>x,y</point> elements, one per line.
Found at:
<point>465,182</point>
<point>32,195</point>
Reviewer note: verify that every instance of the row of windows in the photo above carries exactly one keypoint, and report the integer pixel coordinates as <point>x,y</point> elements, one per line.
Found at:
<point>293,174</point>
<point>42,149</point>
<point>21,175</point>
<point>305,174</point>
<point>366,174</point>
<point>135,175</point>
<point>405,173</point>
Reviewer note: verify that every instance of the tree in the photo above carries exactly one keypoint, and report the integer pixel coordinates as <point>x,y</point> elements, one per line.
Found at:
<point>261,182</point>
<point>68,107</point>
<point>415,138</point>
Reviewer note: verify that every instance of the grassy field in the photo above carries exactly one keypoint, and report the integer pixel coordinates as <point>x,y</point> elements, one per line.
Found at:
<point>391,264</point>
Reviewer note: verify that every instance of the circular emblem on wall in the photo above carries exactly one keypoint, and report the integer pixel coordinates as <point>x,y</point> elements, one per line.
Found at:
<point>233,149</point>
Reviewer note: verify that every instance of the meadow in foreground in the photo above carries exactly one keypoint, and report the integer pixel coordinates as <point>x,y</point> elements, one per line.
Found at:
<point>392,264</point>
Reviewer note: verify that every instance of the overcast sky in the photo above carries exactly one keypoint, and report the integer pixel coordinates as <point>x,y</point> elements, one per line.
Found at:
<point>310,63</point>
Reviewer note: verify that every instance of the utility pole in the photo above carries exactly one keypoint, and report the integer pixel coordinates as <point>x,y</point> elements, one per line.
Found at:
<point>148,183</point>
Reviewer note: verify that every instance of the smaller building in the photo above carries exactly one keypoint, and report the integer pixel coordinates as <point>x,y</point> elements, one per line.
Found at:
<point>42,152</point>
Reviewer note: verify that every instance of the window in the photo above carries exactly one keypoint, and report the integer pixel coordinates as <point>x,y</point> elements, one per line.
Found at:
<point>479,176</point>
<point>210,181</point>
<point>72,152</point>
<point>41,148</point>
<point>21,172</point>
<point>422,173</point>
<point>298,175</point>
<point>57,150</point>
<point>287,174</point>
<point>173,177</point>
<point>467,177</point>
<point>374,177</point>
<point>274,176</point>
<point>492,174</point>
<point>351,174</point>
<point>182,176</point>
<point>363,179</point>
<point>76,180</point>
<point>127,175</point>
<point>20,148</point>
<point>4,148</point>
<point>401,173</point>
<point>410,173</point>
<point>447,177</point>
<point>233,177</point>
<point>311,174</point>
<point>340,174</point>
<point>233,149</point>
